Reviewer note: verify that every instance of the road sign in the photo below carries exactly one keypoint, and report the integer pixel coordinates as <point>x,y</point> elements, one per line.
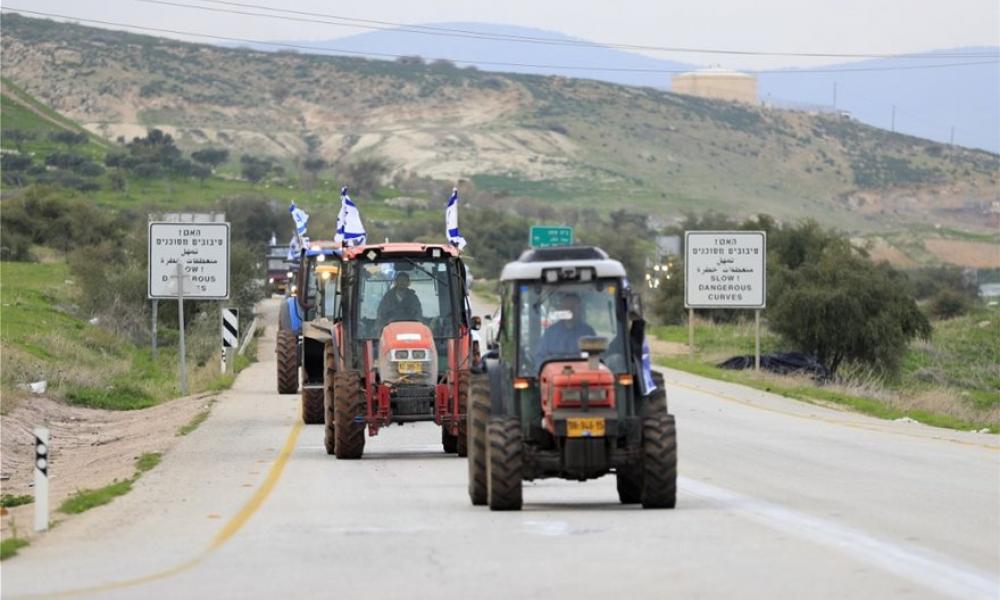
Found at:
<point>202,249</point>
<point>544,236</point>
<point>725,269</point>
<point>230,327</point>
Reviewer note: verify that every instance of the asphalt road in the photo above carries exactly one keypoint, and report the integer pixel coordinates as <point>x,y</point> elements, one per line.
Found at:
<point>777,499</point>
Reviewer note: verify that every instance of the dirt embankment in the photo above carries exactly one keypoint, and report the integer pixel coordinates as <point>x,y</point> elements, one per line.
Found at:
<point>89,448</point>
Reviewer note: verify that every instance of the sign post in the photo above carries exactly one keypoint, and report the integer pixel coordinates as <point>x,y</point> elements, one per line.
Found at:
<point>545,236</point>
<point>726,269</point>
<point>41,479</point>
<point>180,325</point>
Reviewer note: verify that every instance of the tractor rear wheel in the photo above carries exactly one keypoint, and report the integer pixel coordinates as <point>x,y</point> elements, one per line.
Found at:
<point>312,406</point>
<point>659,462</point>
<point>448,442</point>
<point>629,483</point>
<point>655,404</point>
<point>348,415</point>
<point>462,442</point>
<point>504,457</point>
<point>476,418</point>
<point>329,379</point>
<point>286,348</point>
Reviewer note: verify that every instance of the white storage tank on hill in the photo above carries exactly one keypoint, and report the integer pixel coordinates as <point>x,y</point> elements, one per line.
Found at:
<point>720,84</point>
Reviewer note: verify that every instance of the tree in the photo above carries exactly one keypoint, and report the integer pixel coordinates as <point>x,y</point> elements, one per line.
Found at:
<point>365,175</point>
<point>844,308</point>
<point>69,138</point>
<point>211,157</point>
<point>313,166</point>
<point>18,136</point>
<point>13,167</point>
<point>254,169</point>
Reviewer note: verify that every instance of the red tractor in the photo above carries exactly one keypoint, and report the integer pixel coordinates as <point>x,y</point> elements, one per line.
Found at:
<point>568,392</point>
<point>393,344</point>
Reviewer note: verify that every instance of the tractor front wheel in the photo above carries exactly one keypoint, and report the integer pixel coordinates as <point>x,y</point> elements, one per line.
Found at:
<point>348,415</point>
<point>448,441</point>
<point>659,462</point>
<point>630,483</point>
<point>287,351</point>
<point>476,419</point>
<point>462,442</point>
<point>504,458</point>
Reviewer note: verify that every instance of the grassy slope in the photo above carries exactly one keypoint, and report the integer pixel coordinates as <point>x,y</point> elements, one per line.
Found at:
<point>642,148</point>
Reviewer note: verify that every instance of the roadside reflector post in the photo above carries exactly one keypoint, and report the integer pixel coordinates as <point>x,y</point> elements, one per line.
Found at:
<point>41,479</point>
<point>230,337</point>
<point>756,340</point>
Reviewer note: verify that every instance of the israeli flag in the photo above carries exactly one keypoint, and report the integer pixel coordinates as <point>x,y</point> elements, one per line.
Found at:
<point>350,229</point>
<point>300,217</point>
<point>451,221</point>
<point>294,249</point>
<point>648,386</point>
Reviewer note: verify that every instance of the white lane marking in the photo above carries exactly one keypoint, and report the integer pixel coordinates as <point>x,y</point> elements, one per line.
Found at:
<point>910,562</point>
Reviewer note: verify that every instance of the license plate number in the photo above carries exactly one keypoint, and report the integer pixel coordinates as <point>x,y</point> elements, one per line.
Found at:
<point>407,367</point>
<point>585,427</point>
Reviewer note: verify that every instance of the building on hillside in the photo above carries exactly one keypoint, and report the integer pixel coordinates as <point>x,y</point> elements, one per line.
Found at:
<point>720,84</point>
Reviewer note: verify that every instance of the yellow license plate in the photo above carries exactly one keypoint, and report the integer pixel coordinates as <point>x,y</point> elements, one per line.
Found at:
<point>408,367</point>
<point>585,427</point>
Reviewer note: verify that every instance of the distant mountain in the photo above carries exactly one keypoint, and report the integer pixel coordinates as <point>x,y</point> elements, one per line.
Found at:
<point>929,102</point>
<point>576,144</point>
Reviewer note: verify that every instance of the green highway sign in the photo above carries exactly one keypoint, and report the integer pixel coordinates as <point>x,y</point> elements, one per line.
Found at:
<point>545,236</point>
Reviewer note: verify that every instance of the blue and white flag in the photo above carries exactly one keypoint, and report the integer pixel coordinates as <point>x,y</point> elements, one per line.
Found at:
<point>300,217</point>
<point>294,248</point>
<point>350,229</point>
<point>648,385</point>
<point>451,221</point>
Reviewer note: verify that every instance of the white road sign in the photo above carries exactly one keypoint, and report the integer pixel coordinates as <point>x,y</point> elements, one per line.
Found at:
<point>725,269</point>
<point>203,251</point>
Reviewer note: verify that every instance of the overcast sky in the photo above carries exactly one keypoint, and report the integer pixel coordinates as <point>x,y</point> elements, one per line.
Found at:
<point>829,26</point>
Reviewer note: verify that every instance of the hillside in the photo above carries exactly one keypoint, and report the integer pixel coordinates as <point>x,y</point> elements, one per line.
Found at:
<point>551,138</point>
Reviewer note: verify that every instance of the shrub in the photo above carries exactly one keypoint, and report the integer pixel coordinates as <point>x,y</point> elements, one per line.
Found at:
<point>947,304</point>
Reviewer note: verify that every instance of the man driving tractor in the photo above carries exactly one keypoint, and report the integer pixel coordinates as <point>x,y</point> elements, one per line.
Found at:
<point>400,303</point>
<point>562,338</point>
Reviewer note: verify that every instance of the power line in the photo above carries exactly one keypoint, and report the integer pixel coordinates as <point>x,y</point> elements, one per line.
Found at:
<point>475,62</point>
<point>467,33</point>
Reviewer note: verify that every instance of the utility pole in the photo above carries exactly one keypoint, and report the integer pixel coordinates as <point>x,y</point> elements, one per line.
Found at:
<point>951,140</point>
<point>894,118</point>
<point>834,95</point>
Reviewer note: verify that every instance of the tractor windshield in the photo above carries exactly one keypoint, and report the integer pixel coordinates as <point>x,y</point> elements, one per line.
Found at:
<point>321,287</point>
<point>553,318</point>
<point>406,290</point>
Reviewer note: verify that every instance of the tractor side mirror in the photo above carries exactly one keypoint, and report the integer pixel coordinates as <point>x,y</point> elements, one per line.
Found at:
<point>477,323</point>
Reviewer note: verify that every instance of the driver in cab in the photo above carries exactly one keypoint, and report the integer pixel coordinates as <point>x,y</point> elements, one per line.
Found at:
<point>400,303</point>
<point>561,340</point>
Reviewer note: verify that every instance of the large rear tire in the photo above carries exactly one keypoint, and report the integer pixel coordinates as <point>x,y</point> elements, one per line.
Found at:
<point>448,441</point>
<point>348,415</point>
<point>329,379</point>
<point>476,419</point>
<point>287,351</point>
<point>659,462</point>
<point>629,483</point>
<point>505,452</point>
<point>312,406</point>
<point>462,441</point>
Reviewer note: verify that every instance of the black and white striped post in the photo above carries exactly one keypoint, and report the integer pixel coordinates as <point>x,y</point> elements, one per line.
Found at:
<point>41,479</point>
<point>230,336</point>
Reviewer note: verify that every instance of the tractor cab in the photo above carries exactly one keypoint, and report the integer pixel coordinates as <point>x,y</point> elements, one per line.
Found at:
<point>568,396</point>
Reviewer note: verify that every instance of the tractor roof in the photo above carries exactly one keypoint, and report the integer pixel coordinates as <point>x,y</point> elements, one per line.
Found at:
<point>317,247</point>
<point>411,249</point>
<point>532,263</point>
